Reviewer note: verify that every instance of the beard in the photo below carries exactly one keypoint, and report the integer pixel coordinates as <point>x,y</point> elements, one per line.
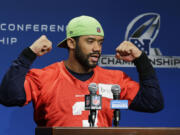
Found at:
<point>83,59</point>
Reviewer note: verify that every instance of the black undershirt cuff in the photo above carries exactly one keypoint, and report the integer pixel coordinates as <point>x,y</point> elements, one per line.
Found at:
<point>29,54</point>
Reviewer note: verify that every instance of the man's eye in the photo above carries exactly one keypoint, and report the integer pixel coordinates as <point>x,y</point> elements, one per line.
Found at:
<point>90,41</point>
<point>100,43</point>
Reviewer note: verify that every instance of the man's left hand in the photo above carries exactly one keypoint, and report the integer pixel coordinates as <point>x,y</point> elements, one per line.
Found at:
<point>127,51</point>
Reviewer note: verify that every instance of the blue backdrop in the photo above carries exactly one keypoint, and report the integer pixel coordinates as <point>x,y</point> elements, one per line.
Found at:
<point>50,18</point>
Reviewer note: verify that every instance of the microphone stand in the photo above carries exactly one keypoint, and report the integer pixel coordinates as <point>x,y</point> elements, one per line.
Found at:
<point>116,96</point>
<point>117,117</point>
<point>92,117</point>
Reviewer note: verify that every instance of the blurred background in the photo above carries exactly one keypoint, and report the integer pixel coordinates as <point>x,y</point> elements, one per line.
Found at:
<point>22,22</point>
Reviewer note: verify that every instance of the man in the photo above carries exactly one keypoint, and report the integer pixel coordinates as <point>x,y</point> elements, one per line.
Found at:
<point>58,90</point>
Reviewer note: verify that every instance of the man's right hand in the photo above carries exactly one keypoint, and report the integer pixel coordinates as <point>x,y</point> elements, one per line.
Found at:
<point>41,46</point>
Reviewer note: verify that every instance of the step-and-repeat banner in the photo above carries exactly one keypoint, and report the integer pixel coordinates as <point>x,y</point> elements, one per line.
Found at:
<point>153,26</point>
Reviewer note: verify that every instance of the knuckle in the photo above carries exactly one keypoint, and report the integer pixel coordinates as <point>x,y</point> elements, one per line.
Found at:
<point>50,42</point>
<point>125,42</point>
<point>43,36</point>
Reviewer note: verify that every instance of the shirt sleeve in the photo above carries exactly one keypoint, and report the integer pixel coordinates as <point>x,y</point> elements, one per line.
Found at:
<point>33,85</point>
<point>149,97</point>
<point>12,92</point>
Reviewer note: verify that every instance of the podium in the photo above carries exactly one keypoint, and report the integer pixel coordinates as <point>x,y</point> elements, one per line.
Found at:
<point>106,131</point>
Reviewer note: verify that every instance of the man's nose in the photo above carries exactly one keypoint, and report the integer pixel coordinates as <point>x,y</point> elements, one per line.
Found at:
<point>97,47</point>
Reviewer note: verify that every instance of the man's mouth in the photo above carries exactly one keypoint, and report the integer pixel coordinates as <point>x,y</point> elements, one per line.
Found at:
<point>94,57</point>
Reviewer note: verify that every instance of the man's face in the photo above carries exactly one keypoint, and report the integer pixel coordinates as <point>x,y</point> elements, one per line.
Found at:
<point>88,50</point>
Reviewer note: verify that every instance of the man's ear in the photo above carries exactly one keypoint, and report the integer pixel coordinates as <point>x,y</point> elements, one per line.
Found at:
<point>71,43</point>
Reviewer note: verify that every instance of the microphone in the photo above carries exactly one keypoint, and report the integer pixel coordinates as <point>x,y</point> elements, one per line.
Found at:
<point>117,104</point>
<point>92,102</point>
<point>115,89</point>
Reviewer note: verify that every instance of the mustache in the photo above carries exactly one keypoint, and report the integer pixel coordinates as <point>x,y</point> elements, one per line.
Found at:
<point>95,53</point>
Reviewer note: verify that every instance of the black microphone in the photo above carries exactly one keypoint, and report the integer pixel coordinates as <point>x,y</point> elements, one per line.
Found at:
<point>92,103</point>
<point>115,89</point>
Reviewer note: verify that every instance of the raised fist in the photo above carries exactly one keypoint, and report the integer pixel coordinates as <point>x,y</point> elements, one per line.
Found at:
<point>127,51</point>
<point>41,46</point>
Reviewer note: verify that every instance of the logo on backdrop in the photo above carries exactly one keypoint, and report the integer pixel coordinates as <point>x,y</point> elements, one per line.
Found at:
<point>142,31</point>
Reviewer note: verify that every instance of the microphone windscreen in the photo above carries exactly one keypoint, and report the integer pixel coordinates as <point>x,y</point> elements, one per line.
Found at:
<point>92,88</point>
<point>115,89</point>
